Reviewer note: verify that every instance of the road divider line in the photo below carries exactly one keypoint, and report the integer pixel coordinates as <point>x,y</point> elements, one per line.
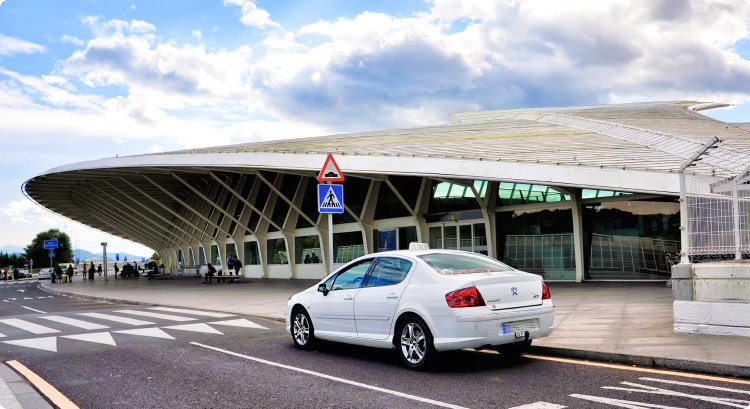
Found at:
<point>637,369</point>
<point>60,400</point>
<point>333,378</point>
<point>33,309</point>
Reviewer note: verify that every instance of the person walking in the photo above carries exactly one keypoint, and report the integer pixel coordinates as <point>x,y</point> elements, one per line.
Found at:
<point>92,271</point>
<point>117,270</point>
<point>99,270</point>
<point>58,273</point>
<point>237,266</point>
<point>83,270</point>
<point>70,273</point>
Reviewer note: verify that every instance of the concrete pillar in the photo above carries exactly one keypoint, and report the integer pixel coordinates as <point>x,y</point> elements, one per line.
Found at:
<point>577,210</point>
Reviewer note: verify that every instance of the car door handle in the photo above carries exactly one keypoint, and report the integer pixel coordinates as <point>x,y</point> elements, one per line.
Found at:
<point>348,298</point>
<point>392,296</point>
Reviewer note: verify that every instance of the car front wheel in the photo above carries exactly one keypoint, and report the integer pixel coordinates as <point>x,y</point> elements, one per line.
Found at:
<point>415,346</point>
<point>303,332</point>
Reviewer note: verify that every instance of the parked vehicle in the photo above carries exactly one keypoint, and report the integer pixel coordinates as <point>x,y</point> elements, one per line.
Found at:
<point>45,274</point>
<point>423,302</point>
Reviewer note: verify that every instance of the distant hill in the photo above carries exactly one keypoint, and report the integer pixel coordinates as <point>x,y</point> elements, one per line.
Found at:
<point>11,249</point>
<point>87,255</point>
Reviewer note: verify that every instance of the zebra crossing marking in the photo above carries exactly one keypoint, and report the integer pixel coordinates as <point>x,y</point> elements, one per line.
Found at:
<point>193,312</point>
<point>146,332</point>
<point>116,318</point>
<point>28,326</point>
<point>201,327</point>
<point>157,315</point>
<point>242,323</point>
<point>96,337</point>
<point>74,322</point>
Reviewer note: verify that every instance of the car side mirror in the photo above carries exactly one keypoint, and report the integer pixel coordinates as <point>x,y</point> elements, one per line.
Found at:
<point>323,289</point>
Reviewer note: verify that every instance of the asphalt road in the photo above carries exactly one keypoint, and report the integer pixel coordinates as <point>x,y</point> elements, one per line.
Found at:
<point>255,365</point>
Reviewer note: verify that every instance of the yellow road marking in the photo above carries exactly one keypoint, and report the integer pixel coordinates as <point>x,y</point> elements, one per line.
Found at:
<point>60,400</point>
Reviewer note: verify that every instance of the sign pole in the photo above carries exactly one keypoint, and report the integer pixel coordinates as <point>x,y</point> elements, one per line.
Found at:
<point>330,240</point>
<point>104,256</point>
<point>330,198</point>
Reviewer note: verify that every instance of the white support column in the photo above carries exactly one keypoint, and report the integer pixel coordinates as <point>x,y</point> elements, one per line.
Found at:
<point>423,203</point>
<point>368,216</point>
<point>578,233</point>
<point>491,225</point>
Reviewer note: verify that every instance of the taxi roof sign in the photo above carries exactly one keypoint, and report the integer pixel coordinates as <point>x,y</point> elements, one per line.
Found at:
<point>330,171</point>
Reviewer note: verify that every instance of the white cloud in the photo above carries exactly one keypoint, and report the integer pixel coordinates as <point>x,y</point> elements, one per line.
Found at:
<point>155,148</point>
<point>119,141</point>
<point>24,212</point>
<point>315,76</point>
<point>66,38</point>
<point>215,29</point>
<point>252,15</point>
<point>1,2</point>
<point>12,45</point>
<point>132,6</point>
<point>196,33</point>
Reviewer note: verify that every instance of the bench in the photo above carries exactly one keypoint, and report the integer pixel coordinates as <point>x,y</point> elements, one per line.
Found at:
<point>155,276</point>
<point>232,278</point>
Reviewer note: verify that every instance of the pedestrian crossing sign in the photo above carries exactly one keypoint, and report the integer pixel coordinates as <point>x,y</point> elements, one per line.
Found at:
<point>330,198</point>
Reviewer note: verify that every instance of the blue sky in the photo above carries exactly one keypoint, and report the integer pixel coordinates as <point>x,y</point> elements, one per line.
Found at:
<point>88,79</point>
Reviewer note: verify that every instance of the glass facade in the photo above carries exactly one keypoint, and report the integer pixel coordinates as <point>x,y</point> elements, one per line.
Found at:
<point>307,250</point>
<point>628,240</point>
<point>394,239</point>
<point>277,252</point>
<point>215,257</point>
<point>201,256</point>
<point>252,255</point>
<point>539,242</point>
<point>231,250</point>
<point>347,246</point>
<point>192,257</point>
<point>511,194</point>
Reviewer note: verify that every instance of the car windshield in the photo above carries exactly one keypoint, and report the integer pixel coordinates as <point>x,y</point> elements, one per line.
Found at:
<point>453,263</point>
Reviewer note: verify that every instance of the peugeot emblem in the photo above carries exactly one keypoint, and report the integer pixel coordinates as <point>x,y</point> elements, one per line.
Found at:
<point>514,290</point>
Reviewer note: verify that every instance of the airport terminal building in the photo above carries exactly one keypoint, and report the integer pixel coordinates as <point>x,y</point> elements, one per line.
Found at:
<point>571,193</point>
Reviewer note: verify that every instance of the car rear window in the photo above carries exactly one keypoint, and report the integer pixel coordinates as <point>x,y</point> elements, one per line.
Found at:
<point>452,264</point>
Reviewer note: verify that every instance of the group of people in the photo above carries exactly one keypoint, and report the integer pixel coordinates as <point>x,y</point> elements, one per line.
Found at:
<point>57,273</point>
<point>233,263</point>
<point>6,274</point>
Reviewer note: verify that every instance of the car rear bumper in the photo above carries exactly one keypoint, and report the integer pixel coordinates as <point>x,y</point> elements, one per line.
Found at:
<point>496,328</point>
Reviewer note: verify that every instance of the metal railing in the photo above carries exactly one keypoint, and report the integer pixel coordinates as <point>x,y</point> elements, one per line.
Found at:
<point>540,252</point>
<point>627,254</point>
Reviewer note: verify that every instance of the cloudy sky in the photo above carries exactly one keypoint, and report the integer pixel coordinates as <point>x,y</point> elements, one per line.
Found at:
<point>88,79</point>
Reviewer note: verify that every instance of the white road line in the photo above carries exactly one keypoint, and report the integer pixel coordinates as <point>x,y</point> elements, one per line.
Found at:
<point>193,312</point>
<point>621,403</point>
<point>117,318</point>
<point>200,327</point>
<point>46,344</point>
<point>540,405</point>
<point>146,332</point>
<point>242,323</point>
<point>666,392</point>
<point>333,378</point>
<point>157,315</point>
<point>33,309</point>
<point>96,337</point>
<point>28,326</point>
<point>696,385</point>
<point>74,322</point>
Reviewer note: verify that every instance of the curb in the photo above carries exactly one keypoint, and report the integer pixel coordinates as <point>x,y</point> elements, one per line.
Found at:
<point>646,361</point>
<point>55,291</point>
<point>611,357</point>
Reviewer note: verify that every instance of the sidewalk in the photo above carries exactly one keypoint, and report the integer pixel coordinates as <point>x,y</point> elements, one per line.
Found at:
<point>16,393</point>
<point>620,322</point>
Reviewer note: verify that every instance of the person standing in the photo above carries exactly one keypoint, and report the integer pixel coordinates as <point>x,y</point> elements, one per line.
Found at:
<point>99,270</point>
<point>70,273</point>
<point>117,270</point>
<point>83,270</point>
<point>237,266</point>
<point>92,271</point>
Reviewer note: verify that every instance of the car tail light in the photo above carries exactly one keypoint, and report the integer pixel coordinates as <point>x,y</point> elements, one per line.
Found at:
<point>546,295</point>
<point>465,297</point>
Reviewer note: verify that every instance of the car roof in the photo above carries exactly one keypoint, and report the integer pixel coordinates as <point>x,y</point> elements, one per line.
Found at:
<point>421,252</point>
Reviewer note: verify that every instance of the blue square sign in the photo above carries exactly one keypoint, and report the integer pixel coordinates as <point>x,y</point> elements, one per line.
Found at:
<point>50,244</point>
<point>330,198</point>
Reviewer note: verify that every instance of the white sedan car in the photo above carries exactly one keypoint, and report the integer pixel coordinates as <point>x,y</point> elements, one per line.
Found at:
<point>422,302</point>
<point>45,274</point>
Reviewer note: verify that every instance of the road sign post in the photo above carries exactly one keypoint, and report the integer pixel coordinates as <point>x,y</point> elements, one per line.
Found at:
<point>50,245</point>
<point>330,197</point>
<point>104,256</point>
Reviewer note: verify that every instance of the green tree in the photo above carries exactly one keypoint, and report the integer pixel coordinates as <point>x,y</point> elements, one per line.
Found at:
<point>155,257</point>
<point>37,252</point>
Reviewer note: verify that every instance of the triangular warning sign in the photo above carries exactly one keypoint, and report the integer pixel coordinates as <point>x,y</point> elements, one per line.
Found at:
<point>330,201</point>
<point>330,171</point>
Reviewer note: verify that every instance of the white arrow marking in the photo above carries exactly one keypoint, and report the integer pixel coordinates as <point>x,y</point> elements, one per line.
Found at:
<point>5,300</point>
<point>146,332</point>
<point>74,322</point>
<point>47,344</point>
<point>27,298</point>
<point>622,403</point>
<point>195,328</point>
<point>97,337</point>
<point>22,291</point>
<point>243,323</point>
<point>193,312</point>
<point>33,309</point>
<point>12,299</point>
<point>539,405</point>
<point>28,326</point>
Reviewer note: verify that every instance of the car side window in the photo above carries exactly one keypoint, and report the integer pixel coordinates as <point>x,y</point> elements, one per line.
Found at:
<point>389,271</point>
<point>352,277</point>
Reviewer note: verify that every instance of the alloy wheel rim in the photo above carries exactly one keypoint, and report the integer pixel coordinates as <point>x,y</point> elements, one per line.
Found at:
<point>301,329</point>
<point>413,343</point>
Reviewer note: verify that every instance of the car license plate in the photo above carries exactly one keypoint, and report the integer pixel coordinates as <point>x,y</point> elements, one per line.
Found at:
<point>521,334</point>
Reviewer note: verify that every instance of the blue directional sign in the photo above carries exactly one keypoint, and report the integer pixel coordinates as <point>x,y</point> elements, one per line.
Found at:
<point>51,253</point>
<point>117,256</point>
<point>50,244</point>
<point>78,260</point>
<point>330,198</point>
<point>143,259</point>
<point>126,258</point>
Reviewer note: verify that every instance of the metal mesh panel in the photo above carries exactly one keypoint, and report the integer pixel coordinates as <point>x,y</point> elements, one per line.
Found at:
<point>627,254</point>
<point>540,252</point>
